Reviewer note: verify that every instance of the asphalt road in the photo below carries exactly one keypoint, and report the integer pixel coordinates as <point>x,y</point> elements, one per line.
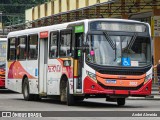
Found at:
<point>10,101</point>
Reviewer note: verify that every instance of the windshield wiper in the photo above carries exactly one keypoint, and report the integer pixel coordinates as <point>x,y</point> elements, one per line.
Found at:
<point>109,40</point>
<point>132,41</point>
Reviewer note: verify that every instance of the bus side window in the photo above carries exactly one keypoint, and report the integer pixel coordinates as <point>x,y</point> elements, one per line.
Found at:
<point>12,49</point>
<point>65,43</point>
<point>33,47</point>
<point>21,48</point>
<point>53,45</point>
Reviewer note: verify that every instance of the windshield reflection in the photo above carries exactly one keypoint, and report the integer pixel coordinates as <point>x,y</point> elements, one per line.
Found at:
<point>119,50</point>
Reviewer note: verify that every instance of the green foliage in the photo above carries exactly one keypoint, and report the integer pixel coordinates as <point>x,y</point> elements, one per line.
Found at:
<point>10,7</point>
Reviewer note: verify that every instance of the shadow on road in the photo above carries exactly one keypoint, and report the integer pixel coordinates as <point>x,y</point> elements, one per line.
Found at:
<point>93,104</point>
<point>6,91</point>
<point>84,104</point>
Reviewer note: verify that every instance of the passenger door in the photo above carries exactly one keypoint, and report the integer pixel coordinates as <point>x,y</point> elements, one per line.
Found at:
<point>79,59</point>
<point>54,66</point>
<point>43,63</point>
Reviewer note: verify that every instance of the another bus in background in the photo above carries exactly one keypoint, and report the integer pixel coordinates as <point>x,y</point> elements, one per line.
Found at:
<point>2,61</point>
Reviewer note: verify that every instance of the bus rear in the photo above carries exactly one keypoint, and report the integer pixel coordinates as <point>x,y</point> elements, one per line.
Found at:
<point>2,61</point>
<point>118,60</point>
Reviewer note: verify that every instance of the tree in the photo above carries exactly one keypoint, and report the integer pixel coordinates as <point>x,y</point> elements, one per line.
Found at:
<point>8,7</point>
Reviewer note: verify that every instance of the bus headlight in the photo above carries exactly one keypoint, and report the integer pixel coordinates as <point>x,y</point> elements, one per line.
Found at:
<point>91,75</point>
<point>148,77</point>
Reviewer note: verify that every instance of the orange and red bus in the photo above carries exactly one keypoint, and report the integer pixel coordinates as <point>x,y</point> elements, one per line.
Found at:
<point>106,58</point>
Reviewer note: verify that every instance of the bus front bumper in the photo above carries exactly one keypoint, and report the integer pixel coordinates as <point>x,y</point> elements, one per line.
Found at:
<point>91,87</point>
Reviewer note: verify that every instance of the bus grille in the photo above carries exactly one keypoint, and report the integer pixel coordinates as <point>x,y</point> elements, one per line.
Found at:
<point>120,88</point>
<point>121,72</point>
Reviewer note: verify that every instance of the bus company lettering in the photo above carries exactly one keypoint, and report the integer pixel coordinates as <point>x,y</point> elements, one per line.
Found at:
<point>54,68</point>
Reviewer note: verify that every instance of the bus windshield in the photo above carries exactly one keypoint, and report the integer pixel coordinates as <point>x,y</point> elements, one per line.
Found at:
<point>2,54</point>
<point>119,50</point>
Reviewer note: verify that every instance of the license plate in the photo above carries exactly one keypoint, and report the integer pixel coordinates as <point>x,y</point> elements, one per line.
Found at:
<point>111,81</point>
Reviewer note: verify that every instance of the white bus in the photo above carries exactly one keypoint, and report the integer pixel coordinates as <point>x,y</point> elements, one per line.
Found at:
<point>3,56</point>
<point>109,58</point>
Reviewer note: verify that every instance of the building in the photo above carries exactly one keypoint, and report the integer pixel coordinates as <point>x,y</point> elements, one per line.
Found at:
<point>59,11</point>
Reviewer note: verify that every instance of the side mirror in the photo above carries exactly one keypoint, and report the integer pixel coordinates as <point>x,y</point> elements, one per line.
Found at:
<point>67,63</point>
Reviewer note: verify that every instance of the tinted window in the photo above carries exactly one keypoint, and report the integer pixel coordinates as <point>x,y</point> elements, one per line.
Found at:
<point>33,47</point>
<point>65,43</point>
<point>21,48</point>
<point>53,45</point>
<point>11,49</point>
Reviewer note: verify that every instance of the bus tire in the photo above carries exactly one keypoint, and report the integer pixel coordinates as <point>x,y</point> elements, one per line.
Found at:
<point>25,90</point>
<point>121,101</point>
<point>63,89</point>
<point>70,97</point>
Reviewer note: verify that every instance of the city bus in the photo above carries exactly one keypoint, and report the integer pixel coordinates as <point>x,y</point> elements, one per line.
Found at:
<point>92,58</point>
<point>3,43</point>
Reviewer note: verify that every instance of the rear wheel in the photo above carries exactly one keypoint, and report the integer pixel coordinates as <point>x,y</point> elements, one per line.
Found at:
<point>121,101</point>
<point>25,90</point>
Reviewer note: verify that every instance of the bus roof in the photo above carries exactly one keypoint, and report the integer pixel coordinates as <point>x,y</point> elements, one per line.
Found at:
<point>64,25</point>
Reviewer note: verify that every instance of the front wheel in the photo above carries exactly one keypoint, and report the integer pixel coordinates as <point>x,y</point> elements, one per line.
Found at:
<point>70,97</point>
<point>25,90</point>
<point>121,101</point>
